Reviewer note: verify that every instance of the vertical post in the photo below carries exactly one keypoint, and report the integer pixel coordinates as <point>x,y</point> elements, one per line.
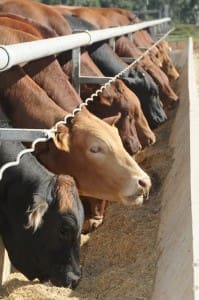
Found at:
<point>76,69</point>
<point>166,14</point>
<point>5,265</point>
<point>112,43</point>
<point>153,31</point>
<point>130,36</point>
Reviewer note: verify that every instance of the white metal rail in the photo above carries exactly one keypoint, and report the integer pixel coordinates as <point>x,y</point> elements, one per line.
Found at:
<point>11,55</point>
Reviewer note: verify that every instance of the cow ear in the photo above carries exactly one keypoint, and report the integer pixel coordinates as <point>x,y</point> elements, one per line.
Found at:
<point>112,120</point>
<point>60,138</point>
<point>36,213</point>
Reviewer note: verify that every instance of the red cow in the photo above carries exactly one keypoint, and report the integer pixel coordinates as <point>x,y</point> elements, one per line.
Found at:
<point>126,48</point>
<point>42,13</point>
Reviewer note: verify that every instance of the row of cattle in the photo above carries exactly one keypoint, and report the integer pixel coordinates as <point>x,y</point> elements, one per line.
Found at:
<point>41,215</point>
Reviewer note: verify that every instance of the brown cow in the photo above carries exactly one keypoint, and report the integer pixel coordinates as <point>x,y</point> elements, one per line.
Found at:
<point>40,12</point>
<point>101,18</point>
<point>116,98</point>
<point>143,39</point>
<point>167,64</point>
<point>46,71</point>
<point>160,52</point>
<point>27,25</point>
<point>126,48</point>
<point>86,13</point>
<point>109,17</point>
<point>87,144</point>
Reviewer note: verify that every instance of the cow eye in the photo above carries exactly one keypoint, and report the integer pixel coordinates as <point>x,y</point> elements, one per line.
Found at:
<point>65,232</point>
<point>95,149</point>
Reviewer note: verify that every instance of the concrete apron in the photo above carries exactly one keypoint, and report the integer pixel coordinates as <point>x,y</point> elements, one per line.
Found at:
<point>177,276</point>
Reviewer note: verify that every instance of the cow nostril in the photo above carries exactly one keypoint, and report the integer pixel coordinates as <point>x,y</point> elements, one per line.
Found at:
<point>145,184</point>
<point>74,283</point>
<point>151,140</point>
<point>74,279</point>
<point>142,183</point>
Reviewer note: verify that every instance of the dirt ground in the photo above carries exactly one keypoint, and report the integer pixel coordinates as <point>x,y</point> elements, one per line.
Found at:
<point>119,259</point>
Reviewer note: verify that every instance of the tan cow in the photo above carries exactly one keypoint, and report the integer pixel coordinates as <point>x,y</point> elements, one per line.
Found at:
<point>92,152</point>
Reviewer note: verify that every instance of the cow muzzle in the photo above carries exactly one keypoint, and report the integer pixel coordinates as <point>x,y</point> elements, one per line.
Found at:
<point>141,195</point>
<point>65,277</point>
<point>71,280</point>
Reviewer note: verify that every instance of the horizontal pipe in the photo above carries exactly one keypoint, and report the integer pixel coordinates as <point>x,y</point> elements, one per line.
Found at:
<point>94,79</point>
<point>11,55</point>
<point>128,60</point>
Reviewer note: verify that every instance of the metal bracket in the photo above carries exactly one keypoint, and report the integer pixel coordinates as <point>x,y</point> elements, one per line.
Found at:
<point>130,36</point>
<point>111,42</point>
<point>26,135</point>
<point>94,79</point>
<point>128,60</point>
<point>77,79</point>
<point>76,53</point>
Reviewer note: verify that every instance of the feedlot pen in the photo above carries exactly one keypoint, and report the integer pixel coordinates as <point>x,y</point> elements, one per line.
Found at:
<point>150,252</point>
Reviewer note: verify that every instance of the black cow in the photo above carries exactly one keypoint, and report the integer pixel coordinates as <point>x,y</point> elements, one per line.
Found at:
<point>41,219</point>
<point>137,79</point>
<point>148,93</point>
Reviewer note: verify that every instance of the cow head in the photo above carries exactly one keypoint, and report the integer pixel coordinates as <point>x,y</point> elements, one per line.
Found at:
<point>110,102</point>
<point>43,238</point>
<point>92,152</point>
<point>167,64</point>
<point>132,103</point>
<point>133,122</point>
<point>148,94</point>
<point>127,131</point>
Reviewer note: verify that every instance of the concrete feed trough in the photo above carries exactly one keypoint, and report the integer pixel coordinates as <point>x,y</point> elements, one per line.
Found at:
<point>150,252</point>
<point>178,239</point>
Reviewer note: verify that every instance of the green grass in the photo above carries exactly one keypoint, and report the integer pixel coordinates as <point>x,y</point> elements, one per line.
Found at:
<point>183,31</point>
